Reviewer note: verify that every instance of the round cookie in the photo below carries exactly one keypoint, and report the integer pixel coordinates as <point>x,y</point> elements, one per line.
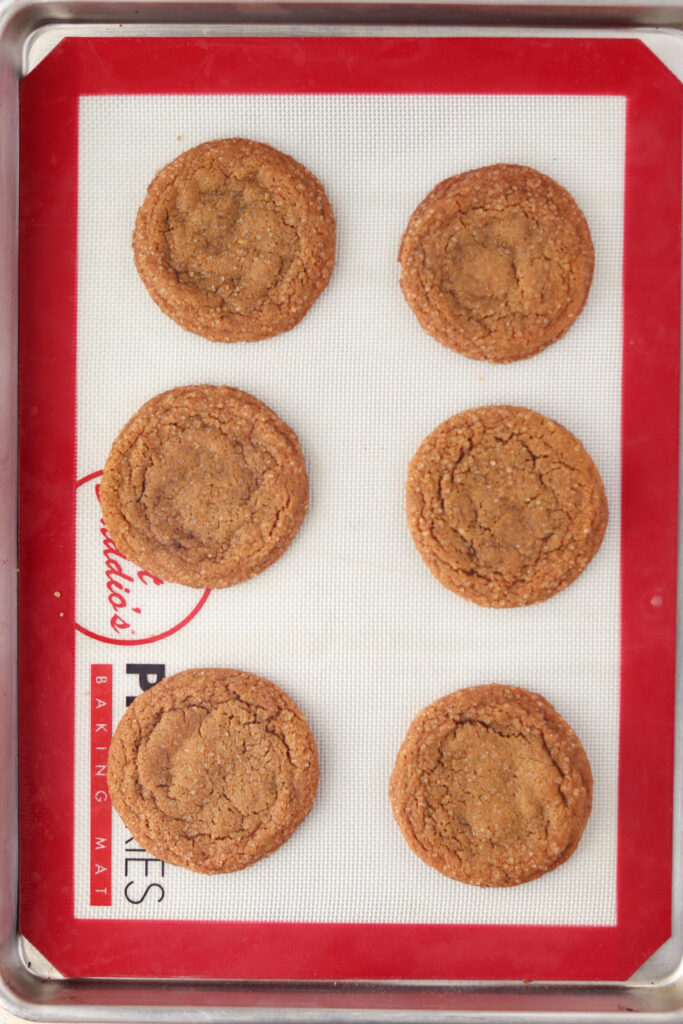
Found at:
<point>204,486</point>
<point>491,786</point>
<point>212,769</point>
<point>505,506</point>
<point>496,263</point>
<point>234,240</point>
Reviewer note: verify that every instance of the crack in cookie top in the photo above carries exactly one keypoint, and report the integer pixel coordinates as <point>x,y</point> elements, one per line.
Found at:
<point>497,262</point>
<point>491,786</point>
<point>212,769</point>
<point>235,240</point>
<point>505,506</point>
<point>204,486</point>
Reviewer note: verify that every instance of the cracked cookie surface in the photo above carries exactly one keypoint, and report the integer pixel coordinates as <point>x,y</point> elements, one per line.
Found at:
<point>505,506</point>
<point>212,769</point>
<point>497,263</point>
<point>235,240</point>
<point>491,786</point>
<point>204,486</point>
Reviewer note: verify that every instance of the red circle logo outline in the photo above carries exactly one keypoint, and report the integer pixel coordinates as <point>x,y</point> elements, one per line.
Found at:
<point>145,640</point>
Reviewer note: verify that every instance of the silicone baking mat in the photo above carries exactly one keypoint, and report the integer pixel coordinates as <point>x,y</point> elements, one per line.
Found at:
<point>349,621</point>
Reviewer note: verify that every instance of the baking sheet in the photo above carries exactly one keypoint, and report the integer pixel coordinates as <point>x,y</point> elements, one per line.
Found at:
<point>349,621</point>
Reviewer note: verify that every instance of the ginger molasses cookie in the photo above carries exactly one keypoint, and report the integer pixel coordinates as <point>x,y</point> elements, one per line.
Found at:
<point>491,786</point>
<point>204,486</point>
<point>497,263</point>
<point>234,240</point>
<point>505,506</point>
<point>212,769</point>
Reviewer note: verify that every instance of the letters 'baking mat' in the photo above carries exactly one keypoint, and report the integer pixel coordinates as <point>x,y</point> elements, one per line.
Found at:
<point>349,622</point>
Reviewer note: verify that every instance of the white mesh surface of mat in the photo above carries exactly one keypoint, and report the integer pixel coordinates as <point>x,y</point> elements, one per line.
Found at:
<point>349,621</point>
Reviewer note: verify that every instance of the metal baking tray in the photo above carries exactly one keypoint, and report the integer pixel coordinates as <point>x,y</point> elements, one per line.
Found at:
<point>29,986</point>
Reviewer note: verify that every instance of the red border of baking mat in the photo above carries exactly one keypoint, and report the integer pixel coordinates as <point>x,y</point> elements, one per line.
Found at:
<point>49,142</point>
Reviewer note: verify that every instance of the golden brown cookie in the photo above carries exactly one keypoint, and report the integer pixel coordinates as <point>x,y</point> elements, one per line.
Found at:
<point>491,786</point>
<point>234,240</point>
<point>204,486</point>
<point>505,506</point>
<point>496,263</point>
<point>212,769</point>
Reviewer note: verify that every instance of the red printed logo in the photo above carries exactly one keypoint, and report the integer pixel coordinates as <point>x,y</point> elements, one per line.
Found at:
<point>118,602</point>
<point>100,812</point>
